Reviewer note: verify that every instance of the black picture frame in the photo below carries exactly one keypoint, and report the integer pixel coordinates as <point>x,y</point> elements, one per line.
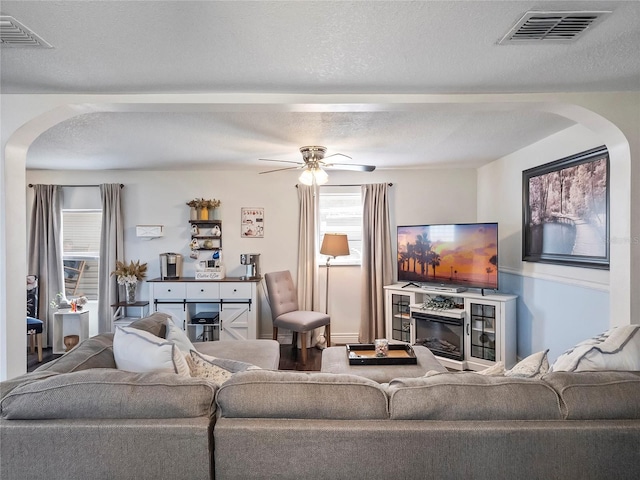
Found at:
<point>565,211</point>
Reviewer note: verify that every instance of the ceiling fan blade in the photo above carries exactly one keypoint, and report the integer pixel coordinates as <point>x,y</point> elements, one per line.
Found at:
<point>282,161</point>
<point>350,166</point>
<point>341,154</point>
<point>280,169</point>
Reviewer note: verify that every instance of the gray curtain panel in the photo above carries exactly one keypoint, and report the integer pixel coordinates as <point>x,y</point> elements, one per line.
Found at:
<point>307,281</point>
<point>45,251</point>
<point>377,266</point>
<point>111,250</point>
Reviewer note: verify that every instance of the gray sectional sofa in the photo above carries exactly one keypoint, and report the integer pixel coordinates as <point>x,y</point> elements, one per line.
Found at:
<point>82,418</point>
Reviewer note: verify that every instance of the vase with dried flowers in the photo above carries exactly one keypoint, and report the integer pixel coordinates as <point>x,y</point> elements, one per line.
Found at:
<point>193,212</point>
<point>202,206</point>
<point>129,276</point>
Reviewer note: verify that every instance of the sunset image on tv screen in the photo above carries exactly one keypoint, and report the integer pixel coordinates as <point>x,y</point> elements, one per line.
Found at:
<point>463,254</point>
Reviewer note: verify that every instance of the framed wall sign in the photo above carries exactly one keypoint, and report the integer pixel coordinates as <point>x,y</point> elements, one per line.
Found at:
<point>565,218</point>
<point>252,222</point>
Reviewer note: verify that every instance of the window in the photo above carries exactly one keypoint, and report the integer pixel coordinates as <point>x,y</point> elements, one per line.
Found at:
<point>340,211</point>
<point>81,251</point>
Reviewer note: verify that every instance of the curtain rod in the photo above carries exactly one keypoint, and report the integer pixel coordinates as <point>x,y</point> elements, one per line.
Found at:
<point>347,185</point>
<point>31,185</point>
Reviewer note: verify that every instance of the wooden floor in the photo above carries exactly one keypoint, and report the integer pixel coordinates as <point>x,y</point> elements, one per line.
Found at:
<point>32,358</point>
<point>290,359</point>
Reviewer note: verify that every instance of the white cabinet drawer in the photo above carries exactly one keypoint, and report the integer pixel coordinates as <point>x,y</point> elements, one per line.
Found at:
<point>203,290</point>
<point>231,290</point>
<point>169,291</point>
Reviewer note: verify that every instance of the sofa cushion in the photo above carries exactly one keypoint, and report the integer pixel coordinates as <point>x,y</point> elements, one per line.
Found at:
<point>154,324</point>
<point>278,394</point>
<point>261,353</point>
<point>94,352</point>
<point>9,385</point>
<point>108,393</point>
<point>215,370</point>
<point>597,395</point>
<point>139,351</point>
<point>615,349</point>
<point>470,396</point>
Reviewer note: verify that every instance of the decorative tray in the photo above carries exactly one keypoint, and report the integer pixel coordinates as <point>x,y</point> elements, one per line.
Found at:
<point>365,354</point>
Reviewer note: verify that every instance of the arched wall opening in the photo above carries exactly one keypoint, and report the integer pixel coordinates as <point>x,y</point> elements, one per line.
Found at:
<point>13,242</point>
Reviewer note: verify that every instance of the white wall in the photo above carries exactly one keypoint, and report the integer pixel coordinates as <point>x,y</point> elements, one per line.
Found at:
<point>558,306</point>
<point>159,197</point>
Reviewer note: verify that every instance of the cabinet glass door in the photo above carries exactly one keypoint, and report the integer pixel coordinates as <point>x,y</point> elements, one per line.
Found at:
<point>483,331</point>
<point>400,318</point>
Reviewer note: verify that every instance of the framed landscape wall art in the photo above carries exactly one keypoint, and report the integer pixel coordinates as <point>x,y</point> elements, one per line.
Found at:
<point>565,217</point>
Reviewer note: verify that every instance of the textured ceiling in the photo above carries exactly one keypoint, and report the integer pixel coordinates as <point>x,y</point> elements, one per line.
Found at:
<point>305,47</point>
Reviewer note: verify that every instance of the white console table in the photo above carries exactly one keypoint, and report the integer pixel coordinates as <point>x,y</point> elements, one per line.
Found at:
<point>66,322</point>
<point>234,300</point>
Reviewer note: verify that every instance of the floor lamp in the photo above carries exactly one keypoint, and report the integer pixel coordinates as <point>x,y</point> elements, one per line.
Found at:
<point>333,245</point>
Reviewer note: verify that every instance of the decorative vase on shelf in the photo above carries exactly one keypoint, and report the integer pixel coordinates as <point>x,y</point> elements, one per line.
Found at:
<point>131,292</point>
<point>193,213</point>
<point>215,214</point>
<point>204,213</point>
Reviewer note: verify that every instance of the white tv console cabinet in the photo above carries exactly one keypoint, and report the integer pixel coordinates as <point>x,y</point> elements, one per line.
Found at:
<point>233,299</point>
<point>486,323</point>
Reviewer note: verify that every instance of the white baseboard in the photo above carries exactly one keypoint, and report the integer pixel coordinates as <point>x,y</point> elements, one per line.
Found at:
<point>336,339</point>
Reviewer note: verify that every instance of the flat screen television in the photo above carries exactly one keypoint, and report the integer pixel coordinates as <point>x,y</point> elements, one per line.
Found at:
<point>452,255</point>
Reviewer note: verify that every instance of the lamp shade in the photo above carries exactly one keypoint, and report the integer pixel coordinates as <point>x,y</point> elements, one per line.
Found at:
<point>335,245</point>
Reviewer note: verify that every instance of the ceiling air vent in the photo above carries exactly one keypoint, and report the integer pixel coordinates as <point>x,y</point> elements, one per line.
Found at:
<point>14,34</point>
<point>552,26</point>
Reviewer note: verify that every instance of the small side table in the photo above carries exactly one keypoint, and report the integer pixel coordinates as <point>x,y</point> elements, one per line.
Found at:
<point>122,316</point>
<point>66,322</point>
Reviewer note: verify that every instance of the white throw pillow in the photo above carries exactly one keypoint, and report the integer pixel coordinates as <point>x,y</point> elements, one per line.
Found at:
<point>216,370</point>
<point>495,370</point>
<point>534,366</point>
<point>615,349</point>
<point>139,351</point>
<point>176,335</point>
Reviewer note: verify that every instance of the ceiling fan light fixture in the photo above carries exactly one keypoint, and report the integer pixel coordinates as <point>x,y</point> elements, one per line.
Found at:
<point>321,176</point>
<point>314,175</point>
<point>306,178</point>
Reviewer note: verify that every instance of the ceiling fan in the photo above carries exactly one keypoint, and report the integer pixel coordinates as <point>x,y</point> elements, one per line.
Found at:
<point>314,164</point>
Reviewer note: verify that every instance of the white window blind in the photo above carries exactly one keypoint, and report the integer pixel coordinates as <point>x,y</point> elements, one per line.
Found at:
<point>340,211</point>
<point>81,231</point>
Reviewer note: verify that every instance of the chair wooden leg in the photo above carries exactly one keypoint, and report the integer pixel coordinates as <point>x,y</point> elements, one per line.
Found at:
<point>327,334</point>
<point>32,342</point>
<point>303,347</point>
<point>275,333</point>
<point>39,342</point>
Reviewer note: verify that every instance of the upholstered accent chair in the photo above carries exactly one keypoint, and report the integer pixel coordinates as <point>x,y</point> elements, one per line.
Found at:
<point>283,301</point>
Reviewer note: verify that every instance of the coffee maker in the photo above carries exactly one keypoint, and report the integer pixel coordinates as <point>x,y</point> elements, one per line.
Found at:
<point>170,266</point>
<point>251,263</point>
